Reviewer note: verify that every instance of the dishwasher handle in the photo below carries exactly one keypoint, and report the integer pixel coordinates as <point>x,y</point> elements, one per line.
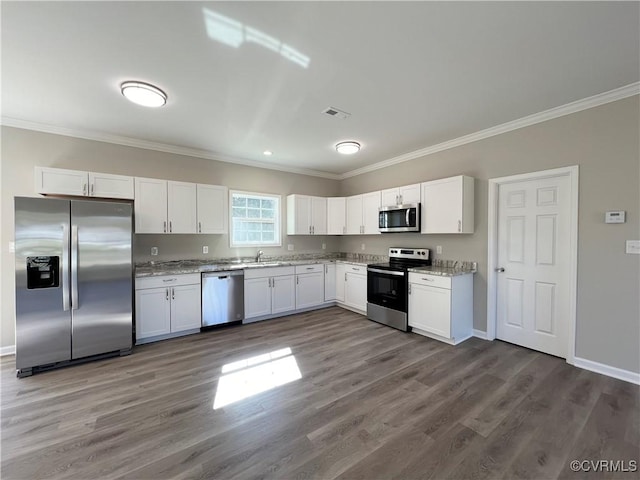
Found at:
<point>224,274</point>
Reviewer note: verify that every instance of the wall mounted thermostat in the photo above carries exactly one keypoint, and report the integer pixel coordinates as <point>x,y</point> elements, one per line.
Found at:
<point>615,217</point>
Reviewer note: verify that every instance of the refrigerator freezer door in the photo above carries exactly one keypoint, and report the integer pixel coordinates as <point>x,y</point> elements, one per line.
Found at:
<point>101,277</point>
<point>43,327</point>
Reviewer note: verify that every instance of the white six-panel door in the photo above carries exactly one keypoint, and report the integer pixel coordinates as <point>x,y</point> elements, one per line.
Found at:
<point>533,301</point>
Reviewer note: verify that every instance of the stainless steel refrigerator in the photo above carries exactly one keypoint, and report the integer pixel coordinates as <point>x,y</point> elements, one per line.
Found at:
<point>73,281</point>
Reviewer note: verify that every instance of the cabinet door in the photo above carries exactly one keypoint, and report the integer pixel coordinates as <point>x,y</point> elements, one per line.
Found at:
<point>283,294</point>
<point>110,186</point>
<point>354,215</point>
<point>355,293</point>
<point>390,196</point>
<point>318,215</point>
<point>309,289</point>
<point>257,297</point>
<point>330,282</point>
<point>212,209</point>
<point>370,206</point>
<point>153,312</point>
<point>430,309</point>
<point>150,205</point>
<point>447,205</point>
<point>336,216</point>
<point>341,279</point>
<point>182,207</point>
<point>298,215</point>
<point>185,308</point>
<point>410,193</point>
<point>60,181</point>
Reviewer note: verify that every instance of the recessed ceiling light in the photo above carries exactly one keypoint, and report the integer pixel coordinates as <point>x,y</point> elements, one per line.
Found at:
<point>143,94</point>
<point>348,148</point>
<point>267,152</point>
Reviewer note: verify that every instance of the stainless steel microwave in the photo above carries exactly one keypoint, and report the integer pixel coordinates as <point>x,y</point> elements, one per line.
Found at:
<point>399,218</point>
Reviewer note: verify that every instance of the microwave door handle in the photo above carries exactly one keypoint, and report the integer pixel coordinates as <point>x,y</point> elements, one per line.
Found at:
<point>407,217</point>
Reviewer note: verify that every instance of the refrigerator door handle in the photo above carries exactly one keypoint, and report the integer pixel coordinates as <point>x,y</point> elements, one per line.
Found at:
<point>74,267</point>
<point>65,267</point>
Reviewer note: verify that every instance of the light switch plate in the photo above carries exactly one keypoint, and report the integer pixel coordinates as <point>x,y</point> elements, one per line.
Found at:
<point>617,216</point>
<point>290,247</point>
<point>154,250</point>
<point>439,249</point>
<point>633,246</point>
<point>205,249</point>
<point>324,246</point>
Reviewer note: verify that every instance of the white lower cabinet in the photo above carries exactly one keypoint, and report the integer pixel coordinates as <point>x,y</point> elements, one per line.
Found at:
<point>309,286</point>
<point>351,286</point>
<point>268,291</point>
<point>441,307</point>
<point>167,306</point>
<point>329,282</point>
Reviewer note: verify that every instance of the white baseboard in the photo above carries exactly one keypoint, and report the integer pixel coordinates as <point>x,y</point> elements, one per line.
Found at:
<point>9,350</point>
<point>607,370</point>
<point>479,334</point>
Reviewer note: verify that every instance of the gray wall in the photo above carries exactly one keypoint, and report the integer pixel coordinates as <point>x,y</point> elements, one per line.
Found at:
<point>604,142</point>
<point>22,150</point>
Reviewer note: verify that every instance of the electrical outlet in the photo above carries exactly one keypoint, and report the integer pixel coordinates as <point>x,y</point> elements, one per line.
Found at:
<point>439,249</point>
<point>290,247</point>
<point>205,249</point>
<point>362,246</point>
<point>324,246</point>
<point>154,250</point>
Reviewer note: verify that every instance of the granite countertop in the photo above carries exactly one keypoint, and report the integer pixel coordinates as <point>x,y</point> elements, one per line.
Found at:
<point>442,271</point>
<point>180,267</point>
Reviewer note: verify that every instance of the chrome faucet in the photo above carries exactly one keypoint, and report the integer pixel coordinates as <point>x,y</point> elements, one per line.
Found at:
<point>259,255</point>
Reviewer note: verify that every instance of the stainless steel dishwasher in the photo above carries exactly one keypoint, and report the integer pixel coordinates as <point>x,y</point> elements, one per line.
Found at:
<point>222,297</point>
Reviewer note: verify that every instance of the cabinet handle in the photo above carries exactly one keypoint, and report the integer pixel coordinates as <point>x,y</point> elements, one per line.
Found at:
<point>272,282</point>
<point>356,269</point>
<point>409,291</point>
<point>169,280</point>
<point>173,294</point>
<point>309,268</point>
<point>167,292</point>
<point>84,189</point>
<point>92,188</point>
<point>401,199</point>
<point>427,279</point>
<point>344,229</point>
<point>170,227</point>
<point>326,269</point>
<point>199,227</point>
<point>313,229</point>
<point>297,279</point>
<point>164,228</point>
<point>459,225</point>
<point>500,270</point>
<point>345,276</point>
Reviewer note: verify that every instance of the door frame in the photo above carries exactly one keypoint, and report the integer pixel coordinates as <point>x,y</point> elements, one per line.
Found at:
<point>492,254</point>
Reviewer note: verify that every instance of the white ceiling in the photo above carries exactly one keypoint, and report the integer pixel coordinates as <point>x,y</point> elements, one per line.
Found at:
<point>412,74</point>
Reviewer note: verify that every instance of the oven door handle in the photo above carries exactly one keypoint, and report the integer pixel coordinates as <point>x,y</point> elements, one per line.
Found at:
<point>385,272</point>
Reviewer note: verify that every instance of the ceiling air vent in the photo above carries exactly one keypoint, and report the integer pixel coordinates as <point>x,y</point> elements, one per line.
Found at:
<point>334,112</point>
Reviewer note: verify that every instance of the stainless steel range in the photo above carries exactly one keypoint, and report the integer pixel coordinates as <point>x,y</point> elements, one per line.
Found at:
<point>388,285</point>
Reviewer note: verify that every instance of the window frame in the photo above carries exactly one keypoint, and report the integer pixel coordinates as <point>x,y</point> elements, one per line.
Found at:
<point>277,219</point>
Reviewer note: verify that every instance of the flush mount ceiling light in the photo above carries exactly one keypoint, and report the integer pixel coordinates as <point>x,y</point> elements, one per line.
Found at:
<point>267,153</point>
<point>348,148</point>
<point>143,94</point>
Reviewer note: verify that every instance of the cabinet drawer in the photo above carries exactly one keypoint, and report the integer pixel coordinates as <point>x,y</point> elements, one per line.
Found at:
<point>167,281</point>
<point>309,268</point>
<point>356,268</point>
<point>430,280</point>
<point>263,272</point>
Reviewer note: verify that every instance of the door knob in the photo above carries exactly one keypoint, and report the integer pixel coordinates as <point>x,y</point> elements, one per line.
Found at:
<point>500,270</point>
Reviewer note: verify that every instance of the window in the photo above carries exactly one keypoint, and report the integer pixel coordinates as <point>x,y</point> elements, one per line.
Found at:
<point>255,219</point>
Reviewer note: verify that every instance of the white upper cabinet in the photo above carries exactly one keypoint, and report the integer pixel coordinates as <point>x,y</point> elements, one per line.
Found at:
<point>306,215</point>
<point>182,207</point>
<point>336,216</point>
<point>150,205</point>
<point>212,209</point>
<point>58,181</point>
<point>362,213</point>
<point>401,195</point>
<point>447,205</point>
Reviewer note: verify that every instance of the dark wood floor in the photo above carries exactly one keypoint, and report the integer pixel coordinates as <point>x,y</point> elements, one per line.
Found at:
<point>372,403</point>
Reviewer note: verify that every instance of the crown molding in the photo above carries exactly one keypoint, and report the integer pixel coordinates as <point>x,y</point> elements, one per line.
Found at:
<point>157,146</point>
<point>569,108</point>
<point>556,112</point>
